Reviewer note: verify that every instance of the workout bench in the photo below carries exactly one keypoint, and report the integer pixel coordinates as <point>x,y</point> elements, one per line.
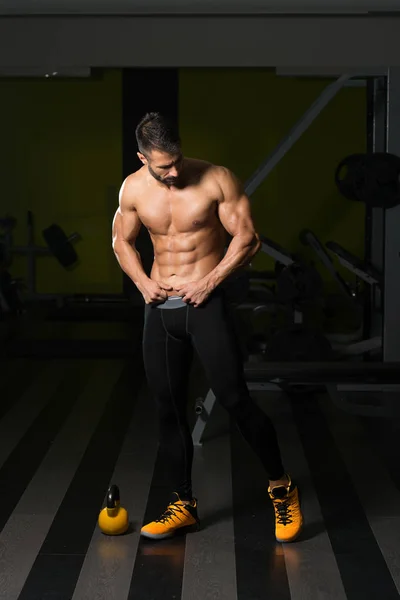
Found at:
<point>348,385</point>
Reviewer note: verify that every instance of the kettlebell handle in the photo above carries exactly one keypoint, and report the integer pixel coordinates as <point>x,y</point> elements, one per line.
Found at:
<point>113,497</point>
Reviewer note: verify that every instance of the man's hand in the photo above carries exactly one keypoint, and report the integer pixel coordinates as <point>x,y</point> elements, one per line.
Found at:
<point>195,292</point>
<point>154,291</point>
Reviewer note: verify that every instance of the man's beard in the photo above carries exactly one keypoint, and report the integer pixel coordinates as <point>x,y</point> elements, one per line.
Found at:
<point>166,180</point>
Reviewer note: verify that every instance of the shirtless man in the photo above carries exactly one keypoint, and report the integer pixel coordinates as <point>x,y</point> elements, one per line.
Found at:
<point>188,206</point>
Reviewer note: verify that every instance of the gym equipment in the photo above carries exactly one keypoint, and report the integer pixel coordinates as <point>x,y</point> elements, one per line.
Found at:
<point>361,270</point>
<point>297,282</point>
<point>10,300</point>
<point>10,288</point>
<point>294,134</point>
<point>374,279</point>
<point>7,224</point>
<point>367,389</point>
<point>198,406</point>
<point>345,175</point>
<point>237,288</point>
<point>325,372</point>
<point>58,245</point>
<point>297,344</point>
<point>370,178</point>
<point>308,238</point>
<point>113,519</point>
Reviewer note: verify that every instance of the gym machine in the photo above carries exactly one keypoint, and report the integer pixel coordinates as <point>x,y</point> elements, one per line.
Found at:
<point>282,293</point>
<point>361,388</point>
<point>298,291</point>
<point>362,271</point>
<point>58,245</point>
<point>368,388</point>
<point>297,282</point>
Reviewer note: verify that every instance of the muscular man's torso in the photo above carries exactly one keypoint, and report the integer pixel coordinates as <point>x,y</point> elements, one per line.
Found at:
<point>187,235</point>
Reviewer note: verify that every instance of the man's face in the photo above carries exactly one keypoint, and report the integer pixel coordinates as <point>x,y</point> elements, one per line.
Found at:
<point>164,167</point>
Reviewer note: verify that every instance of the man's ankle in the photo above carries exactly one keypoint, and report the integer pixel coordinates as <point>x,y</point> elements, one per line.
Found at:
<point>186,500</point>
<point>284,480</point>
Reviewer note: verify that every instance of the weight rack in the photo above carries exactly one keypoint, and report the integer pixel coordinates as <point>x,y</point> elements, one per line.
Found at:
<point>58,246</point>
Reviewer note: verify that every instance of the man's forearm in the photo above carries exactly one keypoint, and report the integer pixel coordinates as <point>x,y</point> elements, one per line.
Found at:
<point>130,262</point>
<point>240,252</point>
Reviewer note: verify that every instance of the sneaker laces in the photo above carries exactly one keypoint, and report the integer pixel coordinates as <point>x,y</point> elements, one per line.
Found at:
<point>283,511</point>
<point>171,513</point>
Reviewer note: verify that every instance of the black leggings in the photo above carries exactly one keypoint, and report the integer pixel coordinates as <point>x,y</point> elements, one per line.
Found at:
<point>168,341</point>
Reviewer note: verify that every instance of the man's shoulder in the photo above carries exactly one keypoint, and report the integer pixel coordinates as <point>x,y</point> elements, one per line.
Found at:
<point>208,168</point>
<point>134,179</point>
<point>131,186</point>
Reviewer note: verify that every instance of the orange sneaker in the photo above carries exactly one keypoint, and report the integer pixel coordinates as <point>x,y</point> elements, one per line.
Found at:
<point>288,516</point>
<point>178,516</point>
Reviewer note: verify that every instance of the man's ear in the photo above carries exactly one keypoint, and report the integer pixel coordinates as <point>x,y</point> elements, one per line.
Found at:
<point>142,158</point>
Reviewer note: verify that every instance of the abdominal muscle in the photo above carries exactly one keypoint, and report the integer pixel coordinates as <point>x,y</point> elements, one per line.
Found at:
<point>182,259</point>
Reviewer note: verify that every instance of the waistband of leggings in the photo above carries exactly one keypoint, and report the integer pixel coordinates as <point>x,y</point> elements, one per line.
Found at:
<point>172,302</point>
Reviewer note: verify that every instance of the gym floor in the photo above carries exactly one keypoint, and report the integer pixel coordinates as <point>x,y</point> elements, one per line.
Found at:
<point>72,425</point>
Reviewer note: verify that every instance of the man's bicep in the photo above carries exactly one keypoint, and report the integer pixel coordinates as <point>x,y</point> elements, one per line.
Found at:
<point>234,210</point>
<point>126,224</point>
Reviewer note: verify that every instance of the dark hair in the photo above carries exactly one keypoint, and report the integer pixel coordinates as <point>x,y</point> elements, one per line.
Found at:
<point>156,132</point>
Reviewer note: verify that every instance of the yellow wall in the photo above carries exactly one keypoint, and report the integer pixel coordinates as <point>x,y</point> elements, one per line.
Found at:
<point>236,117</point>
<point>61,157</point>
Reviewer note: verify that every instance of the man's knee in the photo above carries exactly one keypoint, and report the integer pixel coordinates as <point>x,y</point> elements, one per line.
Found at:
<point>168,414</point>
<point>236,401</point>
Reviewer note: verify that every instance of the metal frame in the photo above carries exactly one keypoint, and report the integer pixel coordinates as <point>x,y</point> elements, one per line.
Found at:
<point>356,270</point>
<point>311,240</point>
<point>275,251</point>
<point>375,223</point>
<point>383,225</point>
<point>294,134</point>
<point>350,262</point>
<point>391,293</point>
<point>370,344</point>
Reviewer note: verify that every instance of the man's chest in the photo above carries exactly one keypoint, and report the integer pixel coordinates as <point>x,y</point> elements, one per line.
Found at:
<point>177,212</point>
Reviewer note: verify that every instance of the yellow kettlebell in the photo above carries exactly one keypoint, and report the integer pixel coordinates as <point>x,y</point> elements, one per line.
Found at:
<point>113,519</point>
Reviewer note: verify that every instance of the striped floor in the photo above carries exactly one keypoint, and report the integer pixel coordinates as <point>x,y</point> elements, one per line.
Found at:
<point>69,428</point>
